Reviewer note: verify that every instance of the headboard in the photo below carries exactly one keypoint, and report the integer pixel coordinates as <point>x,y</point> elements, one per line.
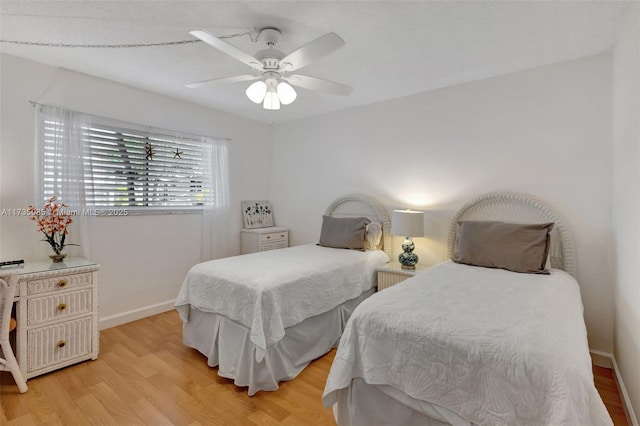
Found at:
<point>355,205</point>
<point>518,208</point>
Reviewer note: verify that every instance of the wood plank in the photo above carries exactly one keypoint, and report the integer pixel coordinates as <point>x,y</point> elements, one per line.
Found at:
<point>608,389</point>
<point>114,405</point>
<point>146,375</point>
<point>149,414</point>
<point>95,412</point>
<point>40,408</point>
<point>24,420</point>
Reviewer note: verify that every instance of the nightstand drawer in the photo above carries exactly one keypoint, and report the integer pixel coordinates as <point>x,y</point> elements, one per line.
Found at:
<point>58,306</point>
<point>273,245</point>
<point>58,283</point>
<point>59,343</point>
<point>274,237</point>
<point>263,239</point>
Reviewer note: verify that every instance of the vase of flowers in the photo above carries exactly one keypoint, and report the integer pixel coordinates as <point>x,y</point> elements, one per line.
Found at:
<point>52,220</point>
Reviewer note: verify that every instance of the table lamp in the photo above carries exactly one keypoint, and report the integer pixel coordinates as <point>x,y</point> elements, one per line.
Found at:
<point>408,223</point>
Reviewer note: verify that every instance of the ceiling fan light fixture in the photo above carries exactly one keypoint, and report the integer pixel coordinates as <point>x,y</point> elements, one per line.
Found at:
<point>271,100</point>
<point>271,67</point>
<point>257,91</point>
<point>286,93</point>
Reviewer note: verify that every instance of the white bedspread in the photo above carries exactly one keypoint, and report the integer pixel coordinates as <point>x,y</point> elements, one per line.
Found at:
<point>272,290</point>
<point>495,347</point>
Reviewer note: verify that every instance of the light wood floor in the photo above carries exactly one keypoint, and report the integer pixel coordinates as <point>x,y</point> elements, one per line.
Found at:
<point>608,389</point>
<point>146,376</point>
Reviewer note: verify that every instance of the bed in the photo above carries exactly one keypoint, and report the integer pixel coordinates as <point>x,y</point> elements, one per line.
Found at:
<point>262,317</point>
<point>463,345</point>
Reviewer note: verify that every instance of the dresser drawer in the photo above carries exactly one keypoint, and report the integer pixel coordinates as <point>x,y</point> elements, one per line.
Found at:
<point>46,285</point>
<point>263,239</point>
<point>274,237</point>
<point>58,306</point>
<point>58,343</point>
<point>273,245</point>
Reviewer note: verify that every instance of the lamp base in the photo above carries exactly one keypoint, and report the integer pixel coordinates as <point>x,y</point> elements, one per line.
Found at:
<point>408,259</point>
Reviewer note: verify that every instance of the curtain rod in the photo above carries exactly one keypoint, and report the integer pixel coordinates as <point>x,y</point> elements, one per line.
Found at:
<point>158,129</point>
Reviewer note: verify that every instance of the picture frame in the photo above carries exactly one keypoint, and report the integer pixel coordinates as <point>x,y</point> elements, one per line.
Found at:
<point>257,214</point>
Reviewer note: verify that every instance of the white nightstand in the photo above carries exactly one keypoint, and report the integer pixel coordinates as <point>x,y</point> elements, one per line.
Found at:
<point>263,239</point>
<point>57,315</point>
<point>392,273</point>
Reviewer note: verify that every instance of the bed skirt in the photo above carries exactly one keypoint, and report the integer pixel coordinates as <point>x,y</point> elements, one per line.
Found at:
<point>362,404</point>
<point>227,345</point>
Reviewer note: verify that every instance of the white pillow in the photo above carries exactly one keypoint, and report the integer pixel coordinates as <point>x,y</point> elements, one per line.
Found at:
<point>373,236</point>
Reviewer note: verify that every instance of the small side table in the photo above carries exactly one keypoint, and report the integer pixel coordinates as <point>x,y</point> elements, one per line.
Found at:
<point>57,308</point>
<point>263,239</point>
<point>392,274</point>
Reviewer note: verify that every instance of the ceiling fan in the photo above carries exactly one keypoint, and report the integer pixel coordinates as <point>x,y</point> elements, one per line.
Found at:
<point>272,68</point>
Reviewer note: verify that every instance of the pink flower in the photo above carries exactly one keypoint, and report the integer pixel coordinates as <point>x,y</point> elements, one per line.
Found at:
<point>52,221</point>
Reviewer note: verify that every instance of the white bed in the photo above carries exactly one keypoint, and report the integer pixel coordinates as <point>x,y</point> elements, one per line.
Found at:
<point>262,317</point>
<point>464,345</point>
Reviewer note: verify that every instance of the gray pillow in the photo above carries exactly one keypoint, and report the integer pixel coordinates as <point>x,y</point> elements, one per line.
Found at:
<point>343,232</point>
<point>514,246</point>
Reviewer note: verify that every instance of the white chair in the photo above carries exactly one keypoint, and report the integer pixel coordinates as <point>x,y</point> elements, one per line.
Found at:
<point>8,284</point>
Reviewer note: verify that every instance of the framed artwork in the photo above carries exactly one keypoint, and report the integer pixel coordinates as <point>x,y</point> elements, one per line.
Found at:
<point>257,214</point>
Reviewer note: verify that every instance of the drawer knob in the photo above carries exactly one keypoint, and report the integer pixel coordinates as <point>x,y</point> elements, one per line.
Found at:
<point>268,237</point>
<point>282,236</point>
<point>62,306</point>
<point>61,344</point>
<point>62,283</point>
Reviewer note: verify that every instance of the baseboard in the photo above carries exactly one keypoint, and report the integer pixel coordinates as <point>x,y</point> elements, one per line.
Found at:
<point>601,359</point>
<point>135,314</point>
<point>600,356</point>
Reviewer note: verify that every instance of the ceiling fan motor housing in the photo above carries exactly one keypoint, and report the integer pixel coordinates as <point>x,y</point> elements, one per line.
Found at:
<point>270,57</point>
<point>270,63</point>
<point>271,36</point>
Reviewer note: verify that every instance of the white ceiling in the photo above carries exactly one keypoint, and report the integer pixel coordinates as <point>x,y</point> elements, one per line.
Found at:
<point>393,48</point>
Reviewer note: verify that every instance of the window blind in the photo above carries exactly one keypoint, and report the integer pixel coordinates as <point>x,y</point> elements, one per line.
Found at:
<point>135,168</point>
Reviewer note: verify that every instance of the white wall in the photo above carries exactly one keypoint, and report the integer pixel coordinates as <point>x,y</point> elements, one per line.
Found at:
<point>626,202</point>
<point>546,132</point>
<point>144,258</point>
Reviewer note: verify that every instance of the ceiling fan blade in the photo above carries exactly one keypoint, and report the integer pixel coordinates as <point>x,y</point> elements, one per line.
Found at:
<point>228,49</point>
<point>319,84</point>
<point>234,79</point>
<point>311,52</point>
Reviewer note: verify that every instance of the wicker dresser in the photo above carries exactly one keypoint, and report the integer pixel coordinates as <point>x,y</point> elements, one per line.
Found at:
<point>392,274</point>
<point>57,310</point>
<point>263,239</point>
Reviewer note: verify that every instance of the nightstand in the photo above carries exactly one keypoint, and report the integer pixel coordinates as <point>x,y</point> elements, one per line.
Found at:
<point>392,273</point>
<point>263,239</point>
<point>57,315</point>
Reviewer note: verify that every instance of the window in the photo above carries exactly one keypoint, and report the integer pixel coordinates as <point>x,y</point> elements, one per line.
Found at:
<point>125,165</point>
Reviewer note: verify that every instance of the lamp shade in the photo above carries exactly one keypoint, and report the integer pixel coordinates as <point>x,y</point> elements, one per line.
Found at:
<point>407,223</point>
<point>271,100</point>
<point>257,91</point>
<point>271,93</point>
<point>286,93</point>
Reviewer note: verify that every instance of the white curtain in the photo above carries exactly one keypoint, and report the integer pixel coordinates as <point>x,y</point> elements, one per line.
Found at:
<point>216,216</point>
<point>64,159</point>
